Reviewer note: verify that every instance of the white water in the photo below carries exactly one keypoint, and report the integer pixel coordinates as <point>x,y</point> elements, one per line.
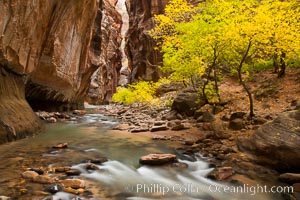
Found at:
<point>145,183</point>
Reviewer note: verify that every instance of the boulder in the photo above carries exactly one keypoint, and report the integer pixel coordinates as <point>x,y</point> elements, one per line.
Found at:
<point>206,117</point>
<point>172,115</point>
<point>237,124</point>
<point>276,143</point>
<point>290,178</point>
<point>187,102</point>
<point>157,159</point>
<point>237,115</point>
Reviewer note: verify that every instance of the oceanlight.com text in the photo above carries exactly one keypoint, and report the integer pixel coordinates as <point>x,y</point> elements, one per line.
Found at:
<point>213,188</point>
<point>251,189</point>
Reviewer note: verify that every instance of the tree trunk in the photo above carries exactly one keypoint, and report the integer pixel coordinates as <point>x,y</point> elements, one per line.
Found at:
<point>275,63</point>
<point>281,72</point>
<point>251,106</point>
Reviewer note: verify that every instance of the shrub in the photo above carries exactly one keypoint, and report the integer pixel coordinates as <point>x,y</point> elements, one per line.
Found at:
<point>142,91</point>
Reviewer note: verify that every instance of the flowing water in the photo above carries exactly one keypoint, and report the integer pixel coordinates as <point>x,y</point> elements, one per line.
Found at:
<point>121,177</point>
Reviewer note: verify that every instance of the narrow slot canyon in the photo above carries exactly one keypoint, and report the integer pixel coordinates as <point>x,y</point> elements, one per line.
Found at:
<point>124,71</point>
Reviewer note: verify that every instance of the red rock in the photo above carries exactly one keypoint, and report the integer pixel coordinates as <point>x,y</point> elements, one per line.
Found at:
<point>221,173</point>
<point>44,179</point>
<point>29,174</point>
<point>51,43</point>
<point>157,159</point>
<point>290,178</point>
<point>73,183</point>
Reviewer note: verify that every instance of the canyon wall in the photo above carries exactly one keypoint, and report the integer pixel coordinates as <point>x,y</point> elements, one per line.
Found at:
<point>45,55</point>
<point>105,79</point>
<point>142,58</point>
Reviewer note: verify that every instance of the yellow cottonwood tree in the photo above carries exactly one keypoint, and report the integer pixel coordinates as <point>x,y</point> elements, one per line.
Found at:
<point>230,33</point>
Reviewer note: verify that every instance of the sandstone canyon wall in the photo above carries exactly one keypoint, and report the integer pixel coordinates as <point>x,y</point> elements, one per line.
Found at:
<point>105,80</point>
<point>142,58</point>
<point>45,54</point>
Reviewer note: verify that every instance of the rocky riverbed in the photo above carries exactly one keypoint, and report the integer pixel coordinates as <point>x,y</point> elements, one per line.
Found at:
<point>214,135</point>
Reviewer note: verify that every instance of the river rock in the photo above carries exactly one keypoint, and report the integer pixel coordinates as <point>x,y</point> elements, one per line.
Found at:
<point>176,125</point>
<point>188,142</point>
<point>61,146</point>
<point>62,169</point>
<point>37,170</point>
<point>138,130</point>
<point>91,166</point>
<point>73,191</point>
<point>43,179</point>
<point>157,159</point>
<point>51,120</point>
<point>221,173</point>
<point>55,188</point>
<point>290,178</point>
<point>159,128</point>
<point>73,183</point>
<point>73,172</point>
<point>29,174</point>
<point>98,160</point>
<point>159,123</point>
<point>276,143</point>
<point>79,112</point>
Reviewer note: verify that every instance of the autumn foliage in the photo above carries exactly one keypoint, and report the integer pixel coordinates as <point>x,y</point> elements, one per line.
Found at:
<point>202,43</point>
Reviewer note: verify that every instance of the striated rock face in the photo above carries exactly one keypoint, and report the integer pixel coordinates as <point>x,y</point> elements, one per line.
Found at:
<point>277,143</point>
<point>105,79</point>
<point>49,42</point>
<point>45,55</point>
<point>142,57</point>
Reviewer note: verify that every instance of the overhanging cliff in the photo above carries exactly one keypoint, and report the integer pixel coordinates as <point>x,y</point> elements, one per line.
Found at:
<point>45,54</point>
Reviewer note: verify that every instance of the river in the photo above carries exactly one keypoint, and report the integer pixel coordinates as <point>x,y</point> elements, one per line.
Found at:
<point>121,177</point>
